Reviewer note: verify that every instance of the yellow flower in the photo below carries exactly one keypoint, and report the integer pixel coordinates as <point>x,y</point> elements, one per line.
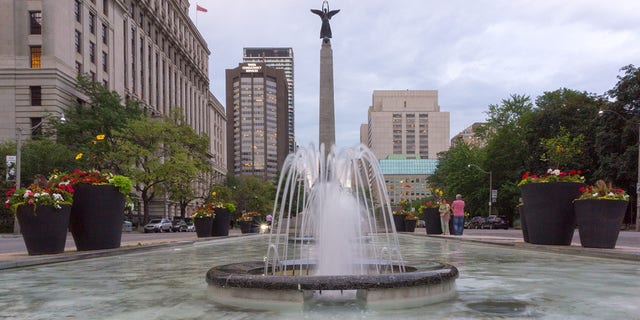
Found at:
<point>78,156</point>
<point>213,193</point>
<point>100,137</point>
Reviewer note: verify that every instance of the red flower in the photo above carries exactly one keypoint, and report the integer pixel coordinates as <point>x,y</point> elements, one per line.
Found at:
<point>525,175</point>
<point>582,189</point>
<point>11,191</point>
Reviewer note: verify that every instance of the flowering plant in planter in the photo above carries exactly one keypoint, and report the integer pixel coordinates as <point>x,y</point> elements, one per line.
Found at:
<point>95,177</point>
<point>37,195</point>
<point>602,191</point>
<point>552,175</point>
<point>249,216</point>
<point>411,216</point>
<point>399,212</point>
<point>205,210</point>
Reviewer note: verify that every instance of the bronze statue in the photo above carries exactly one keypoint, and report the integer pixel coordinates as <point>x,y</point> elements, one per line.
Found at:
<point>325,15</point>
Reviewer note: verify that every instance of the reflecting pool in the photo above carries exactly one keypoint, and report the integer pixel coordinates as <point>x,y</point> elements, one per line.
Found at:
<point>494,283</point>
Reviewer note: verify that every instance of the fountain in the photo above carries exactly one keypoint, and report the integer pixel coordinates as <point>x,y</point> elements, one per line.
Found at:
<point>332,239</point>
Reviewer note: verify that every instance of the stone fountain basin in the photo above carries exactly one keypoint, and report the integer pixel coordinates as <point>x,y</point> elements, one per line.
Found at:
<point>245,285</point>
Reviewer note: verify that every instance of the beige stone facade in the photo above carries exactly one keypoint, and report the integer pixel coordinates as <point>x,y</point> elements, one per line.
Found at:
<point>149,50</point>
<point>468,135</point>
<point>407,122</point>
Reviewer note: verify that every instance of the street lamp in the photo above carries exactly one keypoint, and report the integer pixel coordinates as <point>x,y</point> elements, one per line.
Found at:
<point>600,113</point>
<point>490,181</point>
<point>16,226</point>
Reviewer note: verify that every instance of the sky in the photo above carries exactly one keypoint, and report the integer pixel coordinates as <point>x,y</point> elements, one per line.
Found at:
<point>474,52</point>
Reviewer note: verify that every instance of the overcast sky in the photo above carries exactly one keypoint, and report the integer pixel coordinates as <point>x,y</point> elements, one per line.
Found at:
<point>474,52</point>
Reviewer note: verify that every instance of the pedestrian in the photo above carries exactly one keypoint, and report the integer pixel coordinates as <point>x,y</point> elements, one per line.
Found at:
<point>458,215</point>
<point>445,211</point>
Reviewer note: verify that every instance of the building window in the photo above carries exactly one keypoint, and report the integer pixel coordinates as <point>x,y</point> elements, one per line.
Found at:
<point>36,126</point>
<point>76,10</point>
<point>36,57</point>
<point>36,95</point>
<point>105,84</point>
<point>35,22</point>
<point>78,67</point>
<point>92,75</point>
<point>92,23</point>
<point>92,52</point>
<point>105,7</point>
<point>105,58</point>
<point>105,33</point>
<point>78,41</point>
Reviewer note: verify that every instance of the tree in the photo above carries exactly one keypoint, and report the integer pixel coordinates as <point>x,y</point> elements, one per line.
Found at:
<point>159,154</point>
<point>252,194</point>
<point>102,114</point>
<point>43,157</point>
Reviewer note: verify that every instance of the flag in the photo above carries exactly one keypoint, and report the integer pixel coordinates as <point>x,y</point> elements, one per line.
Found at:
<point>199,8</point>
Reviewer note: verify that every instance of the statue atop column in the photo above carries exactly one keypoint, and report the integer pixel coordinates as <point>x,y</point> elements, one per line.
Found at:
<point>325,14</point>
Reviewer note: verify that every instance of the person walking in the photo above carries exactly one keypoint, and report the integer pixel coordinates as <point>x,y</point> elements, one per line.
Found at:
<point>458,215</point>
<point>445,211</point>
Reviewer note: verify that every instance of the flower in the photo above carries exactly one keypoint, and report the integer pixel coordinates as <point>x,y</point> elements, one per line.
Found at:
<point>552,175</point>
<point>204,210</point>
<point>95,177</point>
<point>399,212</point>
<point>100,137</point>
<point>602,191</point>
<point>38,195</point>
<point>431,204</point>
<point>411,216</point>
<point>79,156</point>
<point>249,216</point>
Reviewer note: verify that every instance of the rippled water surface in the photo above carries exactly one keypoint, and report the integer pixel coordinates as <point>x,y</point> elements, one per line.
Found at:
<point>494,283</point>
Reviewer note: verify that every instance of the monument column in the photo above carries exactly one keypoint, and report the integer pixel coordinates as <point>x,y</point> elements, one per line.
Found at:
<point>326,110</point>
<point>327,122</point>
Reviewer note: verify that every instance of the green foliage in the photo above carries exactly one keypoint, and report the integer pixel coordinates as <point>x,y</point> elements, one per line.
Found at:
<point>559,151</point>
<point>252,194</point>
<point>43,157</point>
<point>124,184</point>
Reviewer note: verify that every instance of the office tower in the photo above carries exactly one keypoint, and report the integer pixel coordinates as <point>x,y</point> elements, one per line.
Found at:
<point>278,58</point>
<point>257,115</point>
<point>407,122</point>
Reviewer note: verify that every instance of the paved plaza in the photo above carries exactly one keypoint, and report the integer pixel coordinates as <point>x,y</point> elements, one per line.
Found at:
<point>13,252</point>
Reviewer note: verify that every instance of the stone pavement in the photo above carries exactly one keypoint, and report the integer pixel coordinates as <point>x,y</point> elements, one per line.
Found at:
<point>14,255</point>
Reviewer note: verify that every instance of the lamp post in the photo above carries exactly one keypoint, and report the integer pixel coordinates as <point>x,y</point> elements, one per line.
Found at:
<point>490,181</point>
<point>600,113</point>
<point>16,226</point>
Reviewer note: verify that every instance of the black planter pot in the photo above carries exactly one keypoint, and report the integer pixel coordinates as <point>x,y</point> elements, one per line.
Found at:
<point>599,222</point>
<point>245,226</point>
<point>97,216</point>
<point>398,220</point>
<point>45,230</point>
<point>221,223</point>
<point>523,224</point>
<point>410,225</point>
<point>549,211</point>
<point>432,221</point>
<point>203,226</point>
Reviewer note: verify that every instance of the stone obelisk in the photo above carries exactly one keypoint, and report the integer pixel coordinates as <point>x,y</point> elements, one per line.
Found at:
<point>327,132</point>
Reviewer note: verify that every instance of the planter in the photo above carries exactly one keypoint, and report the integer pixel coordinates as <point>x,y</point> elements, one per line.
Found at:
<point>549,213</point>
<point>245,226</point>
<point>221,222</point>
<point>97,216</point>
<point>398,220</point>
<point>523,224</point>
<point>203,226</point>
<point>599,221</point>
<point>45,231</point>
<point>432,221</point>
<point>410,225</point>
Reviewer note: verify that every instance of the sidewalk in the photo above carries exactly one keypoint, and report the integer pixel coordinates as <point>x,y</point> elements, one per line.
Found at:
<point>627,248</point>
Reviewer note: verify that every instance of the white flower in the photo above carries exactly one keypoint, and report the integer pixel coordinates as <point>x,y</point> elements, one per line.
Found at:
<point>57,197</point>
<point>549,170</point>
<point>595,194</point>
<point>556,172</point>
<point>611,194</point>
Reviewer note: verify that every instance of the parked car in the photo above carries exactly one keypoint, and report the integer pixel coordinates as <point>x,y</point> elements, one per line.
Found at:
<point>158,225</point>
<point>475,223</point>
<point>179,226</point>
<point>496,222</point>
<point>191,227</point>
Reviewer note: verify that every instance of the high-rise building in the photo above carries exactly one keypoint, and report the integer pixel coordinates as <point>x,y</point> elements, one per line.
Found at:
<point>147,50</point>
<point>278,58</point>
<point>257,129</point>
<point>407,122</point>
<point>468,135</point>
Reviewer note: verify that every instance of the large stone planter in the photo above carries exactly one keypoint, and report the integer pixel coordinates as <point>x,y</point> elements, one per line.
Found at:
<point>398,220</point>
<point>549,211</point>
<point>599,221</point>
<point>203,226</point>
<point>45,230</point>
<point>410,225</point>
<point>432,221</point>
<point>221,223</point>
<point>246,226</point>
<point>97,216</point>
<point>523,224</point>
